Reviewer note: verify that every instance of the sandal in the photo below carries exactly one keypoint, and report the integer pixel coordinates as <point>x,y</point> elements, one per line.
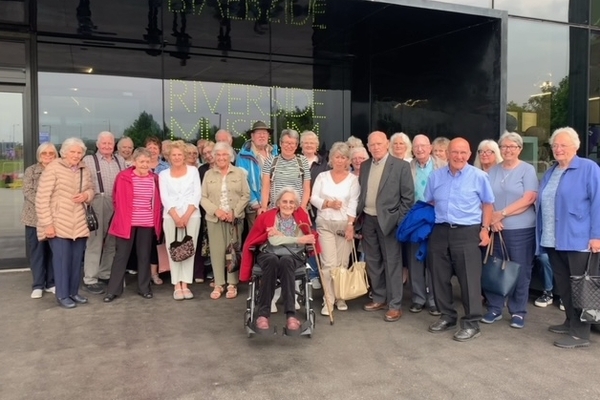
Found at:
<point>178,294</point>
<point>293,324</point>
<point>212,283</point>
<point>156,279</point>
<point>217,292</point>
<point>187,294</point>
<point>231,292</point>
<point>262,323</point>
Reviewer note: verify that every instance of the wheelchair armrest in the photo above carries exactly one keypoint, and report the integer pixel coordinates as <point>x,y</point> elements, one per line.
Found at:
<point>310,248</point>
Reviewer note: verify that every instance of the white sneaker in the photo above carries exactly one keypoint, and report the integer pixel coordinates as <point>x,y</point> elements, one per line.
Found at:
<point>341,305</point>
<point>324,310</point>
<point>50,290</point>
<point>316,284</point>
<point>296,304</point>
<point>273,308</point>
<point>36,294</point>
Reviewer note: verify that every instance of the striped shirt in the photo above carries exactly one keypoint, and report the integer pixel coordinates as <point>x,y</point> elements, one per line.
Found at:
<point>108,169</point>
<point>286,173</point>
<point>143,200</point>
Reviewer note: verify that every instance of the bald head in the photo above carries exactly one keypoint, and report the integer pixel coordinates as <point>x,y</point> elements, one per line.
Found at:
<point>378,144</point>
<point>459,151</point>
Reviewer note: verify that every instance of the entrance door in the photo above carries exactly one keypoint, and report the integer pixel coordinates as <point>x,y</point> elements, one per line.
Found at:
<point>12,238</point>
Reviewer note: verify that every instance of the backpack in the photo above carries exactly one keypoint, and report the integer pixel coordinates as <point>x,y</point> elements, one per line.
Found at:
<point>274,164</point>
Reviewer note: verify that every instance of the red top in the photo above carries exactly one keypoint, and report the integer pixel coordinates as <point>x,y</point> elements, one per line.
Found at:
<point>258,236</point>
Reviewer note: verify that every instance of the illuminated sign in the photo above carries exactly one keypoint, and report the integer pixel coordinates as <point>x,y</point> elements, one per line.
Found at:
<point>196,106</point>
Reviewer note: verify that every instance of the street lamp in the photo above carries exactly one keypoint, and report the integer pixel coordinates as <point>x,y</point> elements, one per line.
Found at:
<point>219,114</point>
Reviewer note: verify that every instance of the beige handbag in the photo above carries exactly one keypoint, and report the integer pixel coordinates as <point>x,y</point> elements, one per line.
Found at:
<point>350,283</point>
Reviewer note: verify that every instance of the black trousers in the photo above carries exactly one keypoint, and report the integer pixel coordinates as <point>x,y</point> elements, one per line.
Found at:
<point>564,264</point>
<point>274,267</point>
<point>142,239</point>
<point>455,251</point>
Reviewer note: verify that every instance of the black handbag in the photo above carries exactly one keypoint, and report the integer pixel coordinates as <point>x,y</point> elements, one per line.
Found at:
<point>585,293</point>
<point>90,215</point>
<point>298,251</point>
<point>499,275</point>
<point>233,253</point>
<point>181,250</point>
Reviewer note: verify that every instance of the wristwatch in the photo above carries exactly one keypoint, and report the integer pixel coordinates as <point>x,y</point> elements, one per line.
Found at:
<point>487,228</point>
<point>503,213</point>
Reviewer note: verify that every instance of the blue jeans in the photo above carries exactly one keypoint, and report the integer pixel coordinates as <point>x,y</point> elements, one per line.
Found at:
<point>66,260</point>
<point>520,244</point>
<point>547,274</point>
<point>40,259</point>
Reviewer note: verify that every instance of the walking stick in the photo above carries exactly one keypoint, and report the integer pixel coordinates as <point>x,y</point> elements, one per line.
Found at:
<point>325,289</point>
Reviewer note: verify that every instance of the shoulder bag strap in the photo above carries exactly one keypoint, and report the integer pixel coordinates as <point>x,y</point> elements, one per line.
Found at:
<point>118,163</point>
<point>490,248</point>
<point>100,184</point>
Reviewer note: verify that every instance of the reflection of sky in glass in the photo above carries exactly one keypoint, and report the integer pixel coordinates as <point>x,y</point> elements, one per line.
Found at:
<point>556,10</point>
<point>11,117</point>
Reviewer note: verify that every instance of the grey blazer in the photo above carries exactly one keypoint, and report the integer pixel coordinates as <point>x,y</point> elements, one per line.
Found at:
<point>395,195</point>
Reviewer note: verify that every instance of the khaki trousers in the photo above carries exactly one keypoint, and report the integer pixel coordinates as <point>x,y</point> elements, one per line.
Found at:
<point>100,246</point>
<point>219,236</point>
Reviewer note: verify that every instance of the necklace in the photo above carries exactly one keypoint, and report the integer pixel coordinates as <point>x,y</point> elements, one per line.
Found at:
<point>506,175</point>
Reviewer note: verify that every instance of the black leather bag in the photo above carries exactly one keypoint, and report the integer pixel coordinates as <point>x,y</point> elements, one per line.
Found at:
<point>585,293</point>
<point>296,250</point>
<point>90,215</point>
<point>181,250</point>
<point>499,275</point>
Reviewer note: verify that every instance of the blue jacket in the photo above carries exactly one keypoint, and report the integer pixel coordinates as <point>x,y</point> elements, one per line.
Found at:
<point>246,159</point>
<point>576,205</point>
<point>417,226</point>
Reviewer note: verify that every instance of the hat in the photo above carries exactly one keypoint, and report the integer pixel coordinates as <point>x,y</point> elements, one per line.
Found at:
<point>260,125</point>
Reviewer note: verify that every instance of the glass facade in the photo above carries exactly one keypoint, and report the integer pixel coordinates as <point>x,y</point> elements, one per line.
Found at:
<point>183,68</point>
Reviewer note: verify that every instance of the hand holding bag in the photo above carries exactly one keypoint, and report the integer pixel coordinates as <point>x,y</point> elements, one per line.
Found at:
<point>585,293</point>
<point>90,215</point>
<point>499,275</point>
<point>233,253</point>
<point>182,250</point>
<point>350,283</point>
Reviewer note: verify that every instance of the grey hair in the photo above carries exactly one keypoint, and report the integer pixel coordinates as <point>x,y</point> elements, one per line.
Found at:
<point>493,146</point>
<point>404,137</point>
<point>512,136</point>
<point>339,147</point>
<point>225,131</point>
<point>353,141</point>
<point>289,133</point>
<point>307,135</point>
<point>287,189</point>
<point>70,142</point>
<point>220,146</point>
<point>139,152</point>
<point>105,134</point>
<point>357,150</point>
<point>441,141</point>
<point>124,138</point>
<point>43,147</point>
<point>569,131</point>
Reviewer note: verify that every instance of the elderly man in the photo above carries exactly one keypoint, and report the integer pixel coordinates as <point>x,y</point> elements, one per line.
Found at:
<point>251,158</point>
<point>125,150</point>
<point>224,135</point>
<point>421,166</point>
<point>100,248</point>
<point>463,201</point>
<point>386,195</point>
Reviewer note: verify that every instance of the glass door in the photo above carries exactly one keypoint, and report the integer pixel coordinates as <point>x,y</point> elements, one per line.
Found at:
<point>12,231</point>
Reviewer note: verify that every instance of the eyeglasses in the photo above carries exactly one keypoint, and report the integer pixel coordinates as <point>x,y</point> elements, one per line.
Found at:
<point>486,152</point>
<point>560,146</point>
<point>290,144</point>
<point>421,146</point>
<point>511,148</point>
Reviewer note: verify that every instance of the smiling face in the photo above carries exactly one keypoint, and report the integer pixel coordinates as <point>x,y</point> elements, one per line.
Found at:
<point>153,149</point>
<point>207,154</point>
<point>399,148</point>
<point>421,148</point>
<point>260,138</point>
<point>486,156</point>
<point>73,155</point>
<point>288,147</point>
<point>191,157</point>
<point>459,154</point>
<point>357,160</point>
<point>563,148</point>
<point>510,150</point>
<point>47,156</point>
<point>287,204</point>
<point>125,148</point>
<point>176,157</point>
<point>222,159</point>
<point>440,151</point>
<point>378,145</point>
<point>309,146</point>
<point>106,145</point>
<point>142,165</point>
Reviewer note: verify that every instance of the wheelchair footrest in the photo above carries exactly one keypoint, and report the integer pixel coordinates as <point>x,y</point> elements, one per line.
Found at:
<point>304,330</point>
<point>252,329</point>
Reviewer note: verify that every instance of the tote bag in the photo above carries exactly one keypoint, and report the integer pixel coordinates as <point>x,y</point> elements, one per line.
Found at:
<point>585,293</point>
<point>499,275</point>
<point>350,283</point>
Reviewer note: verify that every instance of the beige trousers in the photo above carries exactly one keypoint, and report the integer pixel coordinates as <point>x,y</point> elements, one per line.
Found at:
<point>219,235</point>
<point>181,271</point>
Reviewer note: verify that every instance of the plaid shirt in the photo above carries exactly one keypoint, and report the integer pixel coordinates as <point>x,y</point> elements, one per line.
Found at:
<point>108,169</point>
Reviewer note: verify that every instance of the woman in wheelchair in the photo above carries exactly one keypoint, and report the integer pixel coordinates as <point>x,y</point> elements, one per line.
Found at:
<point>278,234</point>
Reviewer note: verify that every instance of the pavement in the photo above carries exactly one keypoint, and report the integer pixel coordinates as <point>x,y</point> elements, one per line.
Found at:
<point>135,348</point>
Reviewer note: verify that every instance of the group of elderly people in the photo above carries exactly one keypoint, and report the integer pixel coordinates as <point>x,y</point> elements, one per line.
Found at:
<point>283,197</point>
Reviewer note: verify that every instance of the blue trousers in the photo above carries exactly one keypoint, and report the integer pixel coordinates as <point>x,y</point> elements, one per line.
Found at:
<point>66,260</point>
<point>40,259</point>
<point>547,274</point>
<point>520,244</point>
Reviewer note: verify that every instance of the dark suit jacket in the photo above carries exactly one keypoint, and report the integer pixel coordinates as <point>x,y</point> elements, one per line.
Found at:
<point>395,195</point>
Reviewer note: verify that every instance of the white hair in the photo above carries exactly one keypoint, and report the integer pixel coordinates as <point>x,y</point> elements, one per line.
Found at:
<point>287,189</point>
<point>289,133</point>
<point>70,142</point>
<point>44,146</point>
<point>123,139</point>
<point>359,150</point>
<point>308,135</point>
<point>354,142</point>
<point>404,137</point>
<point>488,143</point>
<point>339,147</point>
<point>226,132</point>
<point>569,131</point>
<point>105,134</point>
<point>220,146</point>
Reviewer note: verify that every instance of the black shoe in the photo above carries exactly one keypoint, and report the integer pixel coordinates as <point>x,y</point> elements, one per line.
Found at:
<point>95,288</point>
<point>109,297</point>
<point>415,308</point>
<point>464,335</point>
<point>147,295</point>
<point>441,326</point>
<point>569,342</point>
<point>103,281</point>
<point>79,299</point>
<point>561,329</point>
<point>434,311</point>
<point>66,303</point>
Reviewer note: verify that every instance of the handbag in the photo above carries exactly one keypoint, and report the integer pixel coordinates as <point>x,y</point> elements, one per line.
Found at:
<point>499,275</point>
<point>182,250</point>
<point>298,251</point>
<point>91,218</point>
<point>585,294</point>
<point>233,253</point>
<point>350,283</point>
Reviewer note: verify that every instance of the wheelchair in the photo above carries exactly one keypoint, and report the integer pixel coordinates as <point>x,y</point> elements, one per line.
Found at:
<point>303,291</point>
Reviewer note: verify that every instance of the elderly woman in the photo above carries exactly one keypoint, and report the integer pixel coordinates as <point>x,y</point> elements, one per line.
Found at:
<point>286,224</point>
<point>166,146</point>
<point>335,195</point>
<point>488,155</point>
<point>440,148</point>
<point>353,143</point>
<point>515,186</point>
<point>136,222</point>
<point>125,150</point>
<point>157,165</point>
<point>568,226</point>
<point>225,195</point>
<point>180,195</point>
<point>357,156</point>
<point>209,162</point>
<point>200,146</point>
<point>63,190</point>
<point>191,155</point>
<point>400,146</point>
<point>38,252</point>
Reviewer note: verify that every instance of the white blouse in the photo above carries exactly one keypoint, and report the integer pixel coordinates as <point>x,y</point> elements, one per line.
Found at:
<point>347,191</point>
<point>180,192</point>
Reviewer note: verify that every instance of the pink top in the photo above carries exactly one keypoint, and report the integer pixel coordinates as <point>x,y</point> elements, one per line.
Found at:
<point>143,198</point>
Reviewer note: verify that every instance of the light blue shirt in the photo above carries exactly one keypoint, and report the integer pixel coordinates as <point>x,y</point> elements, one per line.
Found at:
<point>421,176</point>
<point>458,198</point>
<point>548,238</point>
